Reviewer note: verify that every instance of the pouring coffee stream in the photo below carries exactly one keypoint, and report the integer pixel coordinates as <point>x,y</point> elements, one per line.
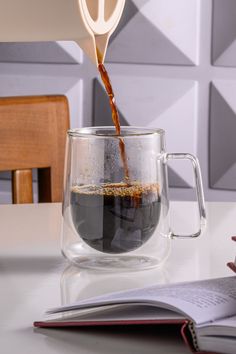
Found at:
<point>115,114</point>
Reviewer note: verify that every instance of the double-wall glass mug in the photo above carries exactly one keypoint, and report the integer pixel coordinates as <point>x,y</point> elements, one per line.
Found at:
<point>116,204</point>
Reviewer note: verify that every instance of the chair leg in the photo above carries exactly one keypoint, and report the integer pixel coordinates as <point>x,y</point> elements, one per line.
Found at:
<point>22,186</point>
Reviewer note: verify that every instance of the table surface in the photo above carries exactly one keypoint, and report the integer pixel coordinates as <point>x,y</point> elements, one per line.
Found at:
<point>34,277</point>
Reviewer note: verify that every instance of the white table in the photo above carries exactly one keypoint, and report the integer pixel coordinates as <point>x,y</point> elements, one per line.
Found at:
<point>34,276</point>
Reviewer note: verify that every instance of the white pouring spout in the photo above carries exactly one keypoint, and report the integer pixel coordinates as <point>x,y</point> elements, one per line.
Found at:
<point>90,23</point>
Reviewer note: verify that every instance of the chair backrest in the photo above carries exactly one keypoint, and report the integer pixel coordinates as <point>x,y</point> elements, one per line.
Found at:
<point>32,135</point>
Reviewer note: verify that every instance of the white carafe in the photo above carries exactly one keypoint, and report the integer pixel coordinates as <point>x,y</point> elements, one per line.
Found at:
<point>90,23</point>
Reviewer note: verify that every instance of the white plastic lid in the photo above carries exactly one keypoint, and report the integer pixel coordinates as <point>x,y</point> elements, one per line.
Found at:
<point>102,16</point>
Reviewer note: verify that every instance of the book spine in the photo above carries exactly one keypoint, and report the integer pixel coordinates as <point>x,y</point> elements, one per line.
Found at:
<point>187,336</point>
<point>194,337</point>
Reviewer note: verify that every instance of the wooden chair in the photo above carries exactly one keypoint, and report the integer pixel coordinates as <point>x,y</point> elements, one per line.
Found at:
<point>32,135</point>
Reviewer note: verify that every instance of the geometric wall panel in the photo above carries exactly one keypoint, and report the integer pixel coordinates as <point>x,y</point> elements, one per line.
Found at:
<point>224,33</point>
<point>157,32</point>
<point>180,123</point>
<point>222,135</point>
<point>158,103</point>
<point>61,52</point>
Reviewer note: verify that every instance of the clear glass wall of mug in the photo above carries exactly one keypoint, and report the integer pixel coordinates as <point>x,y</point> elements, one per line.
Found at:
<point>116,209</point>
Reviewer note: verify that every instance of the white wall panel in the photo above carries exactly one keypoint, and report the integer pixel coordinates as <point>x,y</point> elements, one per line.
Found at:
<point>59,52</point>
<point>224,33</point>
<point>158,32</point>
<point>222,138</point>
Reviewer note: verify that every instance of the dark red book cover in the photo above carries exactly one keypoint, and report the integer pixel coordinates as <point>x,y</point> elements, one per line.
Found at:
<point>181,325</point>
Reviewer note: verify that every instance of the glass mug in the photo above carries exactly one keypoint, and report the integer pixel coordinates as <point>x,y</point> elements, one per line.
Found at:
<point>112,222</point>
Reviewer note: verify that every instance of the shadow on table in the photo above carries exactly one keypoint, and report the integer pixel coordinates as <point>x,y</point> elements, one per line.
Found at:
<point>32,264</point>
<point>126,339</point>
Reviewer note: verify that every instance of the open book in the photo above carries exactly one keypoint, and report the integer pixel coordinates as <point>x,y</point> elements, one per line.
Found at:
<point>205,309</point>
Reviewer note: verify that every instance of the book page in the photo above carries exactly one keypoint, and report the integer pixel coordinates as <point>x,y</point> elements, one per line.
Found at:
<point>130,312</point>
<point>201,301</point>
<point>225,327</point>
<point>219,336</point>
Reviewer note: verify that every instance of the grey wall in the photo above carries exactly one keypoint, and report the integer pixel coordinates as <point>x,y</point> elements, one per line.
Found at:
<point>173,66</point>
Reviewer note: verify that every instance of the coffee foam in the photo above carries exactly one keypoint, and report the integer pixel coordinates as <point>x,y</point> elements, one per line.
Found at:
<point>136,189</point>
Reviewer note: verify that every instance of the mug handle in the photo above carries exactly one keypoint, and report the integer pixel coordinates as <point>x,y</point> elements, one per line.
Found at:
<point>199,190</point>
